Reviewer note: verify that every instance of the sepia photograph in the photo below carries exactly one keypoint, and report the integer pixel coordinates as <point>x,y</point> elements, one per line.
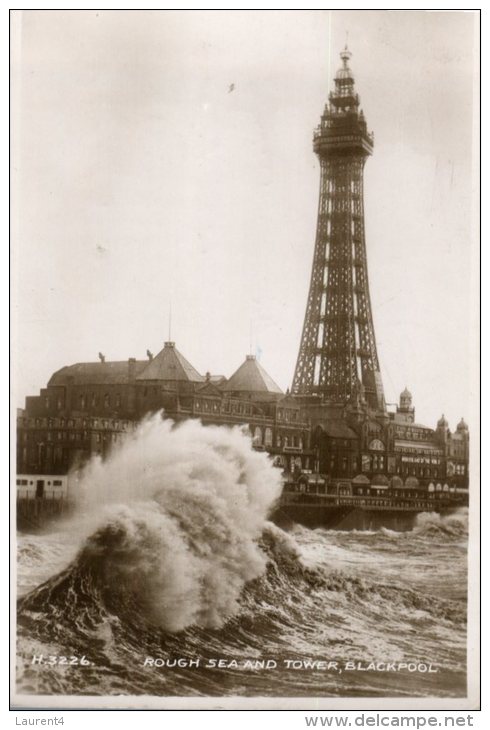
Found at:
<point>245,359</point>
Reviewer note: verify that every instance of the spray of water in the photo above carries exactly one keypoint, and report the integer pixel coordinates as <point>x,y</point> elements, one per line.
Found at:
<point>173,519</point>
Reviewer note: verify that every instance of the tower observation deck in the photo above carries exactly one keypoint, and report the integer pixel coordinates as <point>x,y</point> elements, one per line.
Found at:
<point>337,359</point>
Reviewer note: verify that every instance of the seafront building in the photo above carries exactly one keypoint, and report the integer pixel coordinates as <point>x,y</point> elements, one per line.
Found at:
<point>332,434</point>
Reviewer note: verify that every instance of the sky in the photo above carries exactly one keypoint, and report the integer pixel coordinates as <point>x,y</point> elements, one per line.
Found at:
<point>163,160</point>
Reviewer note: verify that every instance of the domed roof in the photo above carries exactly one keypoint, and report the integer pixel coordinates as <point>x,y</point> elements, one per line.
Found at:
<point>344,73</point>
<point>405,393</point>
<point>380,480</point>
<point>442,421</point>
<point>411,482</point>
<point>462,425</point>
<point>361,479</point>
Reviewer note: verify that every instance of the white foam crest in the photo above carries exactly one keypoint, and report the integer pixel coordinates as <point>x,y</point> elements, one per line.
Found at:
<point>190,502</point>
<point>454,522</point>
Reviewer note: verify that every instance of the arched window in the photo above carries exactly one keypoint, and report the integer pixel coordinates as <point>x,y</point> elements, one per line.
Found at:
<point>268,437</point>
<point>257,436</point>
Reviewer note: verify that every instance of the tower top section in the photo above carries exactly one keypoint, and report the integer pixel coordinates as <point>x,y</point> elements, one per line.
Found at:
<point>343,129</point>
<point>344,72</point>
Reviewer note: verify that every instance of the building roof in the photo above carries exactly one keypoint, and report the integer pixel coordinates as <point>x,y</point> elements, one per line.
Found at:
<point>414,425</point>
<point>251,377</point>
<point>169,364</point>
<point>416,443</point>
<point>336,428</point>
<point>217,379</point>
<point>97,373</point>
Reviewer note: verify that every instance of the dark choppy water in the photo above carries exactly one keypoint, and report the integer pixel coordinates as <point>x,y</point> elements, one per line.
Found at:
<point>187,568</point>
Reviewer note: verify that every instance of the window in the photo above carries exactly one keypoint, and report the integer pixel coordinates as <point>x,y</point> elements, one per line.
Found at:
<point>118,400</point>
<point>268,437</point>
<point>257,439</point>
<point>57,483</point>
<point>107,400</point>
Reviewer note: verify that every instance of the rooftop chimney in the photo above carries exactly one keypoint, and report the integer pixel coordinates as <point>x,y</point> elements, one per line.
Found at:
<point>101,357</point>
<point>131,368</point>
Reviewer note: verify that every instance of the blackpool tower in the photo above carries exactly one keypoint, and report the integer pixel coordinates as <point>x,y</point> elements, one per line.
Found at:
<point>337,360</point>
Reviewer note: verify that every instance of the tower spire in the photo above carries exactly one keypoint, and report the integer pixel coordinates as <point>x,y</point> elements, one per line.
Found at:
<point>338,346</point>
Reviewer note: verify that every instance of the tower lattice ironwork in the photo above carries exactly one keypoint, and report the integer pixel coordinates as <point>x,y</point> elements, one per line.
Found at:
<point>338,347</point>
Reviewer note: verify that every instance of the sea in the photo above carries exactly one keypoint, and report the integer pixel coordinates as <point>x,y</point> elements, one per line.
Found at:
<point>169,580</point>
